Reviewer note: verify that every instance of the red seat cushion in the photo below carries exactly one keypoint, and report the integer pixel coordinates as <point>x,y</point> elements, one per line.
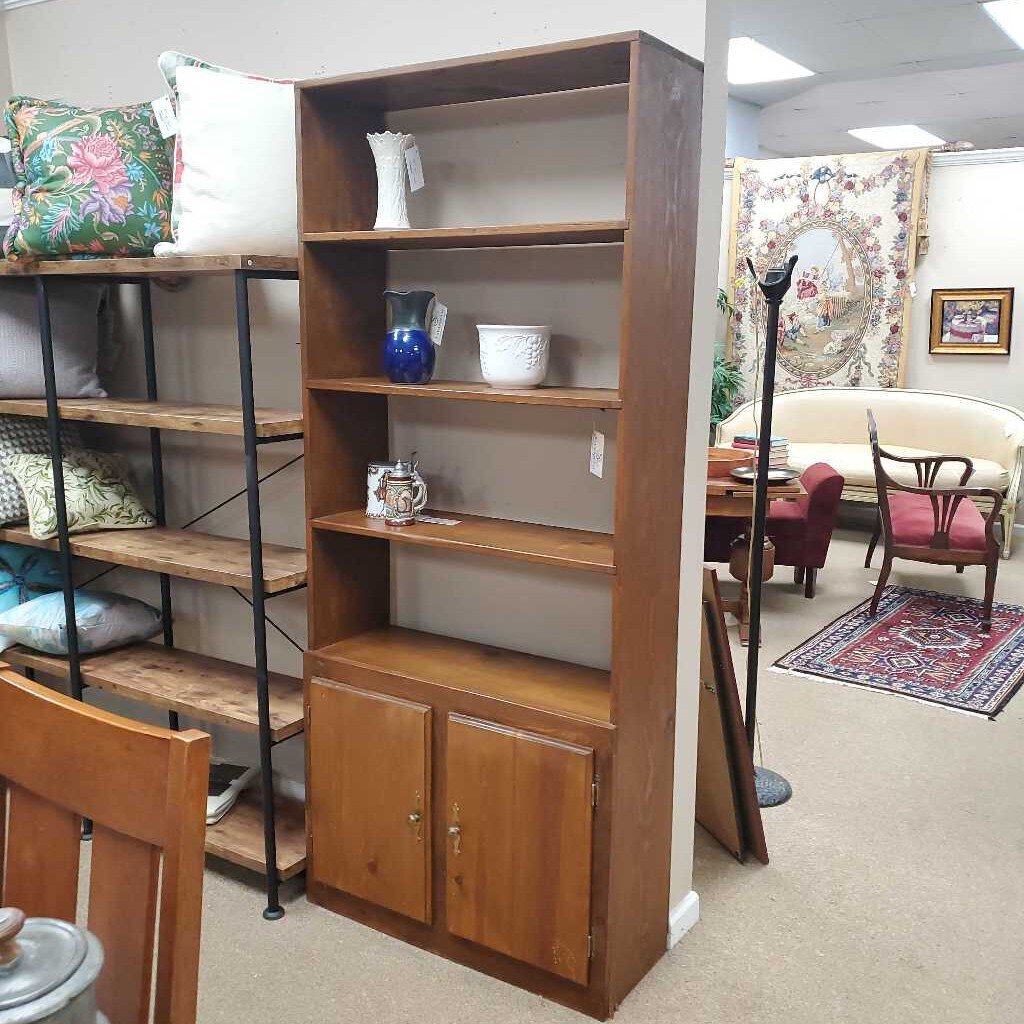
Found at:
<point>787,511</point>
<point>913,523</point>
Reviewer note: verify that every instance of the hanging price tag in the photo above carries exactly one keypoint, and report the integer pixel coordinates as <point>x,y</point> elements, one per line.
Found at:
<point>597,454</point>
<point>166,119</point>
<point>438,319</point>
<point>414,165</point>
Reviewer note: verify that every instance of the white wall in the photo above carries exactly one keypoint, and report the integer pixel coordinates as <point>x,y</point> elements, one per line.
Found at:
<point>96,53</point>
<point>976,217</point>
<point>742,129</point>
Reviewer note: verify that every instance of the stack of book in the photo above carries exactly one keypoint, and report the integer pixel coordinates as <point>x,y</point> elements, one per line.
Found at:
<point>778,456</point>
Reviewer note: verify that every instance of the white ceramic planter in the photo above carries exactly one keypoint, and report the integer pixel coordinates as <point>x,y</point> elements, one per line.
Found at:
<point>389,156</point>
<point>512,356</point>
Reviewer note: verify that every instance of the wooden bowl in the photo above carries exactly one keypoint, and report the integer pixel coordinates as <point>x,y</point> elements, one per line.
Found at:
<point>722,461</point>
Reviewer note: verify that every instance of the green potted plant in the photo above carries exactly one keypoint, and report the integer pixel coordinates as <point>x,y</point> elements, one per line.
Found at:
<point>726,377</point>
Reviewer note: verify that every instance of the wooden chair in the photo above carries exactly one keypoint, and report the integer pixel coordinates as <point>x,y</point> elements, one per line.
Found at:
<point>145,790</point>
<point>926,523</point>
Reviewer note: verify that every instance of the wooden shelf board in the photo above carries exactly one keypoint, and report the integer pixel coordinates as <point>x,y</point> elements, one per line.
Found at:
<point>491,237</point>
<point>182,553</point>
<point>200,419</point>
<point>522,679</point>
<point>503,538</point>
<point>530,71</point>
<point>475,391</point>
<point>146,266</point>
<point>238,836</point>
<point>206,688</point>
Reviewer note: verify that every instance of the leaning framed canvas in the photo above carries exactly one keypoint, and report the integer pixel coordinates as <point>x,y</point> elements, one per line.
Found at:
<point>971,321</point>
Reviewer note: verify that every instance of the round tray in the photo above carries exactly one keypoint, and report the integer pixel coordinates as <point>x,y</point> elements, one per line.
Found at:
<point>776,476</point>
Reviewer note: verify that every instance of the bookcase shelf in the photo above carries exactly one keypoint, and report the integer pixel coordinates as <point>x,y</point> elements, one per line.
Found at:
<point>474,391</point>
<point>414,656</point>
<point>210,689</point>
<point>495,237</point>
<point>503,538</point>
<point>559,776</point>
<point>136,412</point>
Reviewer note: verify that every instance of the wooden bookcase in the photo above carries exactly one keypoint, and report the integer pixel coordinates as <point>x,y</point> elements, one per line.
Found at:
<point>505,810</point>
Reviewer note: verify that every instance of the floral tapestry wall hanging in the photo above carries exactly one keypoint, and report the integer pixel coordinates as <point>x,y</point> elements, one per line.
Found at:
<point>855,222</point>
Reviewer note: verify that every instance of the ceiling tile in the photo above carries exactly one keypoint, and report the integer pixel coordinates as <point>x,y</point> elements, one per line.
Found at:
<point>953,31</point>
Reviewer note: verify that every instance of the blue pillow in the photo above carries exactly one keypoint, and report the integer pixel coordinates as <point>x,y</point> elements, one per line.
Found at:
<point>104,621</point>
<point>26,573</point>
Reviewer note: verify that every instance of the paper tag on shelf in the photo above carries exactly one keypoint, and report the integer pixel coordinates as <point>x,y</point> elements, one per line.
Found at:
<point>597,454</point>
<point>913,289</point>
<point>437,520</point>
<point>437,321</point>
<point>166,119</point>
<point>414,165</point>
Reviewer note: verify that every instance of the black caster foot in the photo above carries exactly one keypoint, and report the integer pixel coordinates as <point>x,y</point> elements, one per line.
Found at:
<point>273,913</point>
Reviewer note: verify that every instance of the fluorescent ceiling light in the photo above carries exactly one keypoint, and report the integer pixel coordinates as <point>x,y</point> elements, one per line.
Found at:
<point>1009,16</point>
<point>897,136</point>
<point>751,61</point>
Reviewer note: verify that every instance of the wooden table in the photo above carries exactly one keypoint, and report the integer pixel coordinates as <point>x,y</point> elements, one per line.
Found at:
<point>735,500</point>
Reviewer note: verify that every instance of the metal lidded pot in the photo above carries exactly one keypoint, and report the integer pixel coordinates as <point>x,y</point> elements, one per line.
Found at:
<point>48,970</point>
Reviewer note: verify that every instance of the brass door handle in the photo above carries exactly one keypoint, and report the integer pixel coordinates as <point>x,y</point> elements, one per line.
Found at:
<point>415,819</point>
<point>455,830</point>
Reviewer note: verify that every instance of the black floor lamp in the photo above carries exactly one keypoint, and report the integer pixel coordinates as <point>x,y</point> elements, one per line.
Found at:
<point>772,788</point>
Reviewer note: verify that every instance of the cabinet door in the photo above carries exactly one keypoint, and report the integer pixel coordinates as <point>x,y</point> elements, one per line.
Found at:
<point>369,773</point>
<point>518,858</point>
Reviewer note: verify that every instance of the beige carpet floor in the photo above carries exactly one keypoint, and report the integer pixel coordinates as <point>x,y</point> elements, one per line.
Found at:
<point>895,893</point>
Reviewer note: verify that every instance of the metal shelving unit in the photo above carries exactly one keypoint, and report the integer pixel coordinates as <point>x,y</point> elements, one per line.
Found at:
<point>180,681</point>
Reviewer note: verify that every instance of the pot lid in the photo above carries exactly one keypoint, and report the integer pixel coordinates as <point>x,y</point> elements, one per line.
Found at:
<point>37,955</point>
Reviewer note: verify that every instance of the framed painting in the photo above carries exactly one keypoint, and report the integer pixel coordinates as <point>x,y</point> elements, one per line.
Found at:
<point>971,321</point>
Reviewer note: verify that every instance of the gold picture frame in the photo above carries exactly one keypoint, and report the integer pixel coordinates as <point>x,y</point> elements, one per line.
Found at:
<point>971,321</point>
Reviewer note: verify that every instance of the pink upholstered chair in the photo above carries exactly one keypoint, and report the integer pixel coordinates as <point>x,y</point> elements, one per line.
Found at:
<point>800,530</point>
<point>941,525</point>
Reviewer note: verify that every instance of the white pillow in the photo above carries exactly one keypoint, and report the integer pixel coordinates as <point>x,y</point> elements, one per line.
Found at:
<point>237,189</point>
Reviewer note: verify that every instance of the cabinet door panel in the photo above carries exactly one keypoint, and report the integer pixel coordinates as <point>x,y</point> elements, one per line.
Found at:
<point>369,772</point>
<point>519,865</point>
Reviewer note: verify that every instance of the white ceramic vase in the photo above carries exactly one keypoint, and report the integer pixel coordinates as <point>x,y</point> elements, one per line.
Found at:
<point>389,155</point>
<point>512,356</point>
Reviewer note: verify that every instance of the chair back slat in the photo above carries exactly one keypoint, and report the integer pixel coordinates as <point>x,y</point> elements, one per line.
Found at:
<point>145,789</point>
<point>41,871</point>
<point>123,887</point>
<point>126,784</point>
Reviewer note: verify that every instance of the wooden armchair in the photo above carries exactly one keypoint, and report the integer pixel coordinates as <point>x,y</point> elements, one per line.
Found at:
<point>926,523</point>
<point>145,791</point>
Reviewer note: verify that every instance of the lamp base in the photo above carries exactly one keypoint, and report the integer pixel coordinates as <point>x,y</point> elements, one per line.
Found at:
<point>772,788</point>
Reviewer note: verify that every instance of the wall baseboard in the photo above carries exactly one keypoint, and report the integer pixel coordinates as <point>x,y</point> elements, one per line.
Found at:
<point>682,917</point>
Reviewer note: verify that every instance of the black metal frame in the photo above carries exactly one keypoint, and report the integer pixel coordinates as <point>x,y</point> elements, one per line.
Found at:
<point>251,443</point>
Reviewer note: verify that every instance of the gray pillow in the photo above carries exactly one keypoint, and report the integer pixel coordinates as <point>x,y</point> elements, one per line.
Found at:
<point>21,435</point>
<point>74,321</point>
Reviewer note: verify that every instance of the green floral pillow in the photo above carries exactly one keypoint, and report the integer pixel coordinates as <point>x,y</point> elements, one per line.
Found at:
<point>96,488</point>
<point>87,181</point>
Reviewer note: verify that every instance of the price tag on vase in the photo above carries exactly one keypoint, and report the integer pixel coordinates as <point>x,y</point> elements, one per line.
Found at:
<point>414,165</point>
<point>438,318</point>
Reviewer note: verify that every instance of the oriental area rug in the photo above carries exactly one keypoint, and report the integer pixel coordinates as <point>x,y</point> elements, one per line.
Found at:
<point>856,224</point>
<point>922,645</point>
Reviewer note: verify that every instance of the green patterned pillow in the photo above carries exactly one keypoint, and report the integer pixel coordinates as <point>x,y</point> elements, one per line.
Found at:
<point>96,490</point>
<point>87,181</point>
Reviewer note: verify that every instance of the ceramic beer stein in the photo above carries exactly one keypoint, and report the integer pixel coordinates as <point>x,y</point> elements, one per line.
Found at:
<point>376,487</point>
<point>400,495</point>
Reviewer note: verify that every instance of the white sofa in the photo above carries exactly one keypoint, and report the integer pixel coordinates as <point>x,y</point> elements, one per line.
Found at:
<point>830,425</point>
